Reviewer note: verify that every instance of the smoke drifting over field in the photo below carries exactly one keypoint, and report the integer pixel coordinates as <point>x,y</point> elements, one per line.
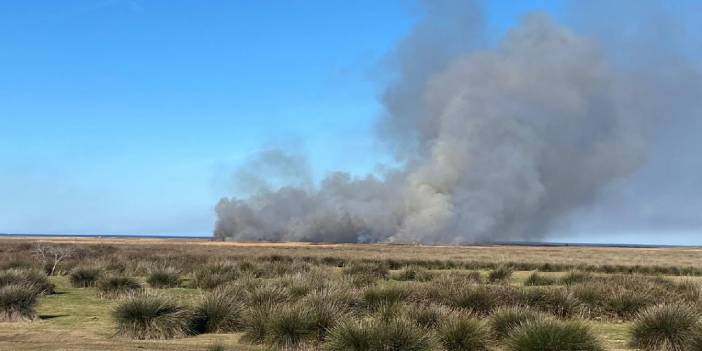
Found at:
<point>496,143</point>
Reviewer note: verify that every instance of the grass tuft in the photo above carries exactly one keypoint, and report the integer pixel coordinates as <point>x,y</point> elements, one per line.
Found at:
<point>364,274</point>
<point>369,335</point>
<point>289,325</point>
<point>163,278</point>
<point>219,311</point>
<point>664,327</point>
<point>507,319</point>
<point>116,286</point>
<point>500,274</point>
<point>376,296</point>
<point>350,335</point>
<point>413,273</point>
<point>151,317</point>
<point>552,335</point>
<point>477,299</point>
<point>85,277</point>
<point>17,302</point>
<point>214,275</point>
<point>464,333</point>
<point>536,279</point>
<point>33,278</point>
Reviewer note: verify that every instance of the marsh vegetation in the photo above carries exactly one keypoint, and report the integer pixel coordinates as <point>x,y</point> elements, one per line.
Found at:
<point>301,300</point>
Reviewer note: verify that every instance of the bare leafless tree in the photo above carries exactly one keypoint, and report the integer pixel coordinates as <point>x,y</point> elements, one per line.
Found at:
<point>52,256</point>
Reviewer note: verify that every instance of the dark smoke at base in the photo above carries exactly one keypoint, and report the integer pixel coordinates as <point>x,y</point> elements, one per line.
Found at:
<point>498,144</point>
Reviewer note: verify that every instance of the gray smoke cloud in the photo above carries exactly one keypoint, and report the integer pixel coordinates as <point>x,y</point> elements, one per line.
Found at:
<point>496,143</point>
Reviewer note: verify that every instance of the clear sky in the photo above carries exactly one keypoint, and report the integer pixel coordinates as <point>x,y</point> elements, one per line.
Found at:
<point>124,116</point>
<point>127,116</point>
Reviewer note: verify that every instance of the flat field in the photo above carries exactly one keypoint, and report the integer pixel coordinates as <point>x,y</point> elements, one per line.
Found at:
<point>369,278</point>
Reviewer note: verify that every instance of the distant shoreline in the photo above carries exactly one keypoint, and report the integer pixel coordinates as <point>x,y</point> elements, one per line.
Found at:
<point>211,238</point>
<point>110,236</point>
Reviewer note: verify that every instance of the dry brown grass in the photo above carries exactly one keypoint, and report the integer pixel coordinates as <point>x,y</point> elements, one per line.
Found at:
<point>666,257</point>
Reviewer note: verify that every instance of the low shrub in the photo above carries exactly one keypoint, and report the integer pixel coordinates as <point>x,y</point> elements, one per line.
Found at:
<point>664,327</point>
<point>151,317</point>
<point>17,302</point>
<point>463,333</point>
<point>85,277</point>
<point>163,278</point>
<point>507,319</point>
<point>500,274</point>
<point>552,335</point>
<point>219,311</point>
<point>116,286</point>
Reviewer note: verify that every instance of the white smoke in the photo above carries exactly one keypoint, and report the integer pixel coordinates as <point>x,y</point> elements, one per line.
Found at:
<point>497,144</point>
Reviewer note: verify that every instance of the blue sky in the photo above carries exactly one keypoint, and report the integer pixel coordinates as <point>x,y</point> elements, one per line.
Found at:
<point>125,116</point>
<point>128,116</point>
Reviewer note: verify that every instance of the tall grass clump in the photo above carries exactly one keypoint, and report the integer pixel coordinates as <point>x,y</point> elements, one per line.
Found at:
<point>325,311</point>
<point>255,322</point>
<point>371,335</point>
<point>17,264</point>
<point>664,327</point>
<point>364,274</point>
<point>151,317</point>
<point>507,319</point>
<point>85,277</point>
<point>477,299</point>
<point>289,325</point>
<point>428,316</point>
<point>627,303</point>
<point>32,278</point>
<point>17,302</point>
<point>414,273</point>
<point>163,278</point>
<point>552,335</point>
<point>216,347</point>
<point>214,275</point>
<point>695,342</point>
<point>116,286</point>
<point>558,302</point>
<point>500,274</point>
<point>376,296</point>
<point>350,335</point>
<point>574,277</point>
<point>219,311</point>
<point>463,333</point>
<point>536,279</point>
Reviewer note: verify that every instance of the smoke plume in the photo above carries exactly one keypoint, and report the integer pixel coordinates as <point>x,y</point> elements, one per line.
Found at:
<point>496,143</point>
